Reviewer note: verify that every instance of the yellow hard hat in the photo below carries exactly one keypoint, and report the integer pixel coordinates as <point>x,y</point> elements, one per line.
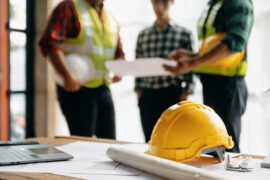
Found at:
<point>232,61</point>
<point>186,129</point>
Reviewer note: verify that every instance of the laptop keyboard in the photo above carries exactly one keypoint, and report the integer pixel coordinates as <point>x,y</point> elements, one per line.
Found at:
<point>15,155</point>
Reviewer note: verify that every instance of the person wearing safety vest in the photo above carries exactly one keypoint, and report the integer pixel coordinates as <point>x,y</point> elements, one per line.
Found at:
<point>156,94</point>
<point>222,65</point>
<point>84,28</point>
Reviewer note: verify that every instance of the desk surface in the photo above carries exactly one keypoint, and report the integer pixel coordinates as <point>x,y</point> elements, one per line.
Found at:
<point>57,141</point>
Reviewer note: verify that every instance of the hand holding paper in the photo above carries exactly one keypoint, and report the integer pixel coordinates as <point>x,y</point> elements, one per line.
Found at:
<point>141,67</point>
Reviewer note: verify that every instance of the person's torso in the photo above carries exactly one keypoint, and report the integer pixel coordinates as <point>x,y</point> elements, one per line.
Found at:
<point>213,21</point>
<point>157,42</point>
<point>97,40</point>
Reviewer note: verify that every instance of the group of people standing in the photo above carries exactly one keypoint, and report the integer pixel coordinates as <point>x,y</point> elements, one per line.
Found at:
<point>84,27</point>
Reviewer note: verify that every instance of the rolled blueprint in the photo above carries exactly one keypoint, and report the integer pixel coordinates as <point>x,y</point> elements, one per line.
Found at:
<point>160,167</point>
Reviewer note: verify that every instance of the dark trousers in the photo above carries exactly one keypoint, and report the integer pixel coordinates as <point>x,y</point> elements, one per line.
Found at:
<point>228,97</point>
<point>153,102</point>
<point>89,111</point>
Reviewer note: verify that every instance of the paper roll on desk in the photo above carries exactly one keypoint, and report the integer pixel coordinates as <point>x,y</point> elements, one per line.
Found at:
<point>160,167</point>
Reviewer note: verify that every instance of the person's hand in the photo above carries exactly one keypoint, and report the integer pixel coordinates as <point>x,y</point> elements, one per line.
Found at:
<point>180,53</point>
<point>184,59</point>
<point>139,93</point>
<point>184,65</point>
<point>116,78</point>
<point>71,84</point>
<point>184,95</point>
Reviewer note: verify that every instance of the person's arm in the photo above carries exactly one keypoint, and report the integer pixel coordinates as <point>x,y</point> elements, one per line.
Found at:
<point>238,23</point>
<point>62,24</point>
<point>59,27</point>
<point>186,64</point>
<point>119,54</point>
<point>220,51</point>
<point>57,59</point>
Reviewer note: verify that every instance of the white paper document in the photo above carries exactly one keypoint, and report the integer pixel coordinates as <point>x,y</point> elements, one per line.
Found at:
<point>140,67</point>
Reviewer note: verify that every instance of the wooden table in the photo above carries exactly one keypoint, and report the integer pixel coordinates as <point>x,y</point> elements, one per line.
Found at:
<point>57,141</point>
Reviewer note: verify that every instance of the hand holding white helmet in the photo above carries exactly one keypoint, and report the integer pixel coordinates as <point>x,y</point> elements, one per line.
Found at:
<point>79,66</point>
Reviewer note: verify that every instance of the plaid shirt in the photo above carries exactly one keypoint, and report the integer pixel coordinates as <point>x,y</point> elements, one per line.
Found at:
<point>235,17</point>
<point>157,42</point>
<point>64,23</point>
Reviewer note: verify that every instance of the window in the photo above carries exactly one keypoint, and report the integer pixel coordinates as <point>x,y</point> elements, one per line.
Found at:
<point>20,69</point>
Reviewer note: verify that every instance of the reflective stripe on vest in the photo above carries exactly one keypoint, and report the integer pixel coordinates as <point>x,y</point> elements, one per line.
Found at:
<point>239,70</point>
<point>97,40</point>
<point>210,29</point>
<point>208,23</point>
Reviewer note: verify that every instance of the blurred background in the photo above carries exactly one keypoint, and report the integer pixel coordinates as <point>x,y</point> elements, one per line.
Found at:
<point>34,111</point>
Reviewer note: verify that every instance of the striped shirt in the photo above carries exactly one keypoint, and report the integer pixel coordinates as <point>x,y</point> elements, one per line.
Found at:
<point>157,42</point>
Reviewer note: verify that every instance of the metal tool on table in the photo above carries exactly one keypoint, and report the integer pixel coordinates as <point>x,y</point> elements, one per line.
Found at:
<point>239,164</point>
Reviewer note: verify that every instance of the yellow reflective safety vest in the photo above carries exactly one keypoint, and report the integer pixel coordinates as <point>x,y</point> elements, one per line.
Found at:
<point>219,67</point>
<point>229,62</point>
<point>96,40</point>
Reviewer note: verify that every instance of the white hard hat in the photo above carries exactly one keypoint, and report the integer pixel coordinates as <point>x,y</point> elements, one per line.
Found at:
<point>80,66</point>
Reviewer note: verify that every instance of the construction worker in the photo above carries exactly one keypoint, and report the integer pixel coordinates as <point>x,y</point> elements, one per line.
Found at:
<point>224,87</point>
<point>84,27</point>
<point>156,94</point>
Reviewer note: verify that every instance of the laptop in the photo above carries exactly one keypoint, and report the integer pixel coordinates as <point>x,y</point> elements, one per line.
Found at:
<point>22,154</point>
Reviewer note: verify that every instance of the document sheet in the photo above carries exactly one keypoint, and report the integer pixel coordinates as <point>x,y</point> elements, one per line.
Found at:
<point>140,67</point>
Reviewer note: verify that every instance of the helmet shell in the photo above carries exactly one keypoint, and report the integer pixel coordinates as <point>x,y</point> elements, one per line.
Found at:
<point>185,129</point>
